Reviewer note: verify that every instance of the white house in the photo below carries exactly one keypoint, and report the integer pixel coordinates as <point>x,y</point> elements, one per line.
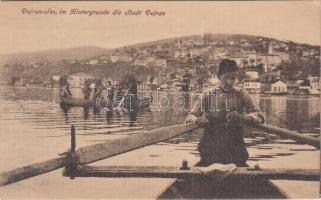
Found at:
<point>279,87</point>
<point>314,82</point>
<point>106,81</point>
<point>78,79</point>
<point>253,87</point>
<point>114,58</point>
<point>159,62</point>
<point>270,61</point>
<point>93,62</point>
<point>55,78</point>
<point>142,62</point>
<point>252,74</point>
<point>181,53</point>
<point>231,42</point>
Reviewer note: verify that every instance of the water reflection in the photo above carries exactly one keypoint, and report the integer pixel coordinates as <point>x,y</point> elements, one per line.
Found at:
<point>132,118</point>
<point>38,108</point>
<point>65,110</point>
<point>109,115</point>
<point>293,112</point>
<point>86,113</point>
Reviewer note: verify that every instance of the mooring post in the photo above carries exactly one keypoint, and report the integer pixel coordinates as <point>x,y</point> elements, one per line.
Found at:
<point>73,139</point>
<point>185,165</point>
<point>71,165</point>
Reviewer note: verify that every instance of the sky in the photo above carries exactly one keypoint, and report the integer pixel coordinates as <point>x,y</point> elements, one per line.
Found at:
<point>298,21</point>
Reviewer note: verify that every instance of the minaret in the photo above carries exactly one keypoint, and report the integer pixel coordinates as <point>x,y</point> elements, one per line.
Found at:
<point>270,48</point>
<point>178,41</point>
<point>202,31</point>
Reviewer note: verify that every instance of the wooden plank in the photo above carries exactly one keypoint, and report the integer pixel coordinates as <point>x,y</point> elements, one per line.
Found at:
<point>176,172</point>
<point>30,171</point>
<point>298,189</point>
<point>284,133</point>
<point>101,151</point>
<point>96,152</point>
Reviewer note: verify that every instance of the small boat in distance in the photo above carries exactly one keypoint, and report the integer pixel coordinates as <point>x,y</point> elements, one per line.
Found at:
<point>142,104</point>
<point>78,102</point>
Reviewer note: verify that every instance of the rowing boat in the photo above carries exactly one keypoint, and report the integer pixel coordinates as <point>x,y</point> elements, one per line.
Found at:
<point>189,182</point>
<point>78,102</point>
<point>230,188</point>
<point>225,181</point>
<point>135,103</point>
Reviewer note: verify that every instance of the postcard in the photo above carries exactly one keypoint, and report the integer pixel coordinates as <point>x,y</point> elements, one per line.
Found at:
<point>160,99</point>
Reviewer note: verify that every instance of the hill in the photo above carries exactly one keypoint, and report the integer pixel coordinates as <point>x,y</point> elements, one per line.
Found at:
<point>163,57</point>
<point>53,55</point>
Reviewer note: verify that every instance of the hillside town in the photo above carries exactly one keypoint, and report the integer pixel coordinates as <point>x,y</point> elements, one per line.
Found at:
<point>190,64</point>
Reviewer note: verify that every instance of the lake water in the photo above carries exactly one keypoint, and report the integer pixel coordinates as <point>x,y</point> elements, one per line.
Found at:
<point>35,128</point>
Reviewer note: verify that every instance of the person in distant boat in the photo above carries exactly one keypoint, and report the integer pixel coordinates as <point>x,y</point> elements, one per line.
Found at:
<point>119,92</point>
<point>66,90</point>
<point>98,88</point>
<point>132,101</point>
<point>86,90</point>
<point>132,88</point>
<point>110,91</point>
<point>118,95</point>
<point>222,111</point>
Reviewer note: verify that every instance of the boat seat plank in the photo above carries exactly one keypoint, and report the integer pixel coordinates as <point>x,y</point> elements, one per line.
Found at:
<point>176,172</point>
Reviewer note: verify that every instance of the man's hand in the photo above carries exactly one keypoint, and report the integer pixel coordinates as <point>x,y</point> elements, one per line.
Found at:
<point>190,118</point>
<point>235,117</point>
<point>201,121</point>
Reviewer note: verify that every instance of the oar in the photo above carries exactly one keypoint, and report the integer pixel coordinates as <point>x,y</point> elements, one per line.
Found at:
<point>284,133</point>
<point>122,100</point>
<point>97,152</point>
<point>107,149</point>
<point>111,148</point>
<point>31,170</point>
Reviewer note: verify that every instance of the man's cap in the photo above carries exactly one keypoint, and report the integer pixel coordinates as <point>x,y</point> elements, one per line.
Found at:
<point>226,66</point>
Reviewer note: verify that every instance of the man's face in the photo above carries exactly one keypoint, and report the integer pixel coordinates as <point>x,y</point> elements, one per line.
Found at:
<point>228,79</point>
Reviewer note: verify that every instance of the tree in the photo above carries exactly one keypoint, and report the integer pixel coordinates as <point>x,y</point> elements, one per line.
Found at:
<point>172,75</point>
<point>290,70</point>
<point>13,80</point>
<point>245,62</point>
<point>260,68</point>
<point>213,69</point>
<point>259,60</point>
<point>127,78</point>
<point>252,61</point>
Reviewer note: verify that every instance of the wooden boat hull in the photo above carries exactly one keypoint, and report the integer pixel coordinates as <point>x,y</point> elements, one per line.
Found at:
<point>136,103</point>
<point>77,102</point>
<point>249,183</point>
<point>229,188</point>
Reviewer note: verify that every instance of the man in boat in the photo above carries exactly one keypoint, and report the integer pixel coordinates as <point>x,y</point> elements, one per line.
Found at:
<point>118,97</point>
<point>110,95</point>
<point>98,89</point>
<point>119,92</point>
<point>65,90</point>
<point>132,88</point>
<point>132,101</point>
<point>86,90</point>
<point>222,111</point>
<point>110,90</point>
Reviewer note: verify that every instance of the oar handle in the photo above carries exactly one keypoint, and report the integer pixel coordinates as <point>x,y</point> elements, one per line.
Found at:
<point>284,133</point>
<point>122,100</point>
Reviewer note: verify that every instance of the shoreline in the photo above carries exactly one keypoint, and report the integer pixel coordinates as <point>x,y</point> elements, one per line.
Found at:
<point>165,91</point>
